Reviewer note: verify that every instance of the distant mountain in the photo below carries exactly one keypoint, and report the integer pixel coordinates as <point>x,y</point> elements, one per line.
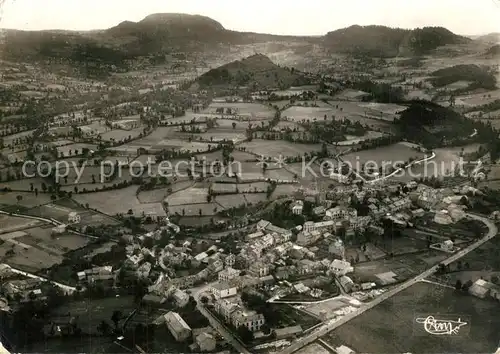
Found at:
<point>256,71</point>
<point>389,42</point>
<point>479,77</point>
<point>493,38</point>
<point>160,34</point>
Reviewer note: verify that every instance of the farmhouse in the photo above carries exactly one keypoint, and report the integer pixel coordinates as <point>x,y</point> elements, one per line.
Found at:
<point>340,268</point>
<point>73,218</point>
<point>222,290</point>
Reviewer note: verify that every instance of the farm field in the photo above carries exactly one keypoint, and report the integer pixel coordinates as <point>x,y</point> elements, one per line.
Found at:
<point>445,162</point>
<point>119,202</point>
<point>34,249</point>
<point>24,184</point>
<point>250,110</point>
<point>120,134</point>
<point>188,196</point>
<point>313,348</point>
<point>91,313</point>
<point>279,147</point>
<point>28,200</point>
<point>230,201</point>
<point>9,139</point>
<point>12,223</point>
<point>388,154</point>
<point>284,190</point>
<point>216,135</point>
<point>255,198</point>
<point>65,149</point>
<point>391,326</point>
<point>206,209</point>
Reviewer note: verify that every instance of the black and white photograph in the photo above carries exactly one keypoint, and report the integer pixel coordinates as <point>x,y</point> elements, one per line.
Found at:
<point>250,177</point>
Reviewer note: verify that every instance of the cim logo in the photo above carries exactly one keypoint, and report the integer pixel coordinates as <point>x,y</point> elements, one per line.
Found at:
<point>442,325</point>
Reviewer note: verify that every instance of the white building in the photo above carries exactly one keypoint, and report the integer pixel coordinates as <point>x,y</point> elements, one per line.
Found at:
<point>222,290</point>
<point>59,229</point>
<point>337,248</point>
<point>250,319</point>
<point>73,218</point>
<point>228,274</point>
<point>298,207</point>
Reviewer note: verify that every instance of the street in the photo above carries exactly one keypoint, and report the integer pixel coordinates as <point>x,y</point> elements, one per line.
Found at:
<point>223,331</point>
<point>492,232</point>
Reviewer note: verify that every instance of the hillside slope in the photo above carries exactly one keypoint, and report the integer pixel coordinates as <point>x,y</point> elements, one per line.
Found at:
<point>389,42</point>
<point>256,71</point>
<point>479,77</point>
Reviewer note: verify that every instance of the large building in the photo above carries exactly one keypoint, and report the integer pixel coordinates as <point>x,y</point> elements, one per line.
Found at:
<point>250,319</point>
<point>222,290</point>
<point>177,326</point>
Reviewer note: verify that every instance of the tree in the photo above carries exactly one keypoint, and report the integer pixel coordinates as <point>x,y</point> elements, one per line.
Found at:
<point>19,198</point>
<point>494,279</point>
<point>245,334</point>
<point>104,328</point>
<point>116,317</point>
<point>204,300</point>
<point>44,187</point>
<point>234,125</point>
<point>467,285</point>
<point>458,284</point>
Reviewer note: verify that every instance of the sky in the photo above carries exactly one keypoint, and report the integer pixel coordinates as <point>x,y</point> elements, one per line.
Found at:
<point>294,17</point>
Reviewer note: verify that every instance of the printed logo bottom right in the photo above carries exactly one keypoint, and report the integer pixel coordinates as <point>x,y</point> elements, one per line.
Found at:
<point>450,325</point>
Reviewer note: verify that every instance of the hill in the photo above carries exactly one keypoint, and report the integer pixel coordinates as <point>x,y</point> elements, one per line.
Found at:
<point>480,77</point>
<point>256,71</point>
<point>493,38</point>
<point>493,51</point>
<point>389,42</point>
<point>433,125</point>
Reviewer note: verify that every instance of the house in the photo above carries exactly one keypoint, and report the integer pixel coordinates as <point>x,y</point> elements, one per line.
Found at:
<point>205,342</point>
<point>227,274</point>
<point>319,211</point>
<point>225,308</point>
<point>442,217</point>
<point>59,229</point>
<point>180,298</point>
<point>153,300</point>
<point>144,270</point>
<point>346,283</point>
<point>418,213</point>
<point>308,237</point>
<point>287,332</point>
<point>340,268</point>
<point>298,207</point>
<point>177,326</point>
<point>250,319</point>
<point>259,269</point>
<point>73,218</point>
<point>221,290</point>
<point>344,350</point>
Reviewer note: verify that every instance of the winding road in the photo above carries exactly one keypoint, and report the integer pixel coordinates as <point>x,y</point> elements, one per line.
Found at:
<point>330,326</point>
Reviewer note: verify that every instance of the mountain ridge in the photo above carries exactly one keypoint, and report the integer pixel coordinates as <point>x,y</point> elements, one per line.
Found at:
<point>163,33</point>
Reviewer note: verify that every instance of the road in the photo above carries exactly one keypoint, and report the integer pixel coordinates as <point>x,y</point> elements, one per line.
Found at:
<point>223,330</point>
<point>66,288</point>
<point>492,232</point>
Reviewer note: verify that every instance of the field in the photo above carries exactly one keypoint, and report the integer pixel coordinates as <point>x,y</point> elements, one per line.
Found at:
<point>403,266</point>
<point>60,210</point>
<point>119,202</point>
<point>279,147</point>
<point>12,223</point>
<point>230,201</point>
<point>202,209</point>
<point>445,162</point>
<point>73,148</point>
<point>313,348</point>
<point>387,155</point>
<point>9,139</point>
<point>28,200</point>
<point>35,249</point>
<point>188,196</point>
<point>91,313</point>
<point>247,110</point>
<point>24,184</point>
<point>120,134</point>
<point>391,327</point>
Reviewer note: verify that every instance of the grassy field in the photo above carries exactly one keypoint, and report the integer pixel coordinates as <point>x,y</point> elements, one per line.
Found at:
<point>119,202</point>
<point>388,154</point>
<point>35,249</point>
<point>207,209</point>
<point>65,149</point>
<point>12,223</point>
<point>120,134</point>
<point>250,110</point>
<point>28,200</point>
<point>188,196</point>
<point>230,201</point>
<point>279,147</point>
<point>391,326</point>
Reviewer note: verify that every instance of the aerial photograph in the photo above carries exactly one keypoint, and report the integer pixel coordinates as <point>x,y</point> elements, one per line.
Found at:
<point>250,177</point>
